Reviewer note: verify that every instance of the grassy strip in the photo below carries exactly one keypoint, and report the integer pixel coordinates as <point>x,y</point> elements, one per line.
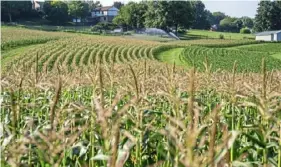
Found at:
<point>156,52</point>
<point>203,34</point>
<point>276,56</point>
<point>172,56</point>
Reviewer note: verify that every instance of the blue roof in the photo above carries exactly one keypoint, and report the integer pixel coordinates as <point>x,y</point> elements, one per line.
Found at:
<point>267,33</point>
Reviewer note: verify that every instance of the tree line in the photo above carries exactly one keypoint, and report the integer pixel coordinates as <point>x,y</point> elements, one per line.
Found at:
<point>177,15</point>
<point>192,14</point>
<point>167,15</point>
<point>57,12</point>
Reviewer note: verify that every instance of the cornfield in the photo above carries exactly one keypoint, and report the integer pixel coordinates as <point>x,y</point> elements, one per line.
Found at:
<point>107,101</point>
<point>221,58</point>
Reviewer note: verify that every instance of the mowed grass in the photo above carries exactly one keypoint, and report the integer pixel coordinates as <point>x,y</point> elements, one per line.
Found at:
<point>172,56</point>
<point>276,56</point>
<point>204,34</point>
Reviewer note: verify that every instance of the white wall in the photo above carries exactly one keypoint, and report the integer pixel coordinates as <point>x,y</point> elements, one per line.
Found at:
<point>76,21</point>
<point>263,38</point>
<point>278,37</point>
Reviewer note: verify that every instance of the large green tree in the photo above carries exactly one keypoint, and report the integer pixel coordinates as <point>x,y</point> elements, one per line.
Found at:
<point>131,15</point>
<point>276,15</point>
<point>180,14</point>
<point>56,11</point>
<point>93,4</point>
<point>118,4</point>
<point>78,9</point>
<point>262,19</point>
<point>157,14</point>
<point>200,16</point>
<point>268,16</point>
<point>164,14</point>
<point>11,10</point>
<point>230,24</point>
<point>210,17</point>
<point>247,22</point>
<point>121,19</point>
<point>217,17</point>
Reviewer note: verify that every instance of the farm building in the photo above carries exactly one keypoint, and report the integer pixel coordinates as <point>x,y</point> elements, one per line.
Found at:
<point>269,36</point>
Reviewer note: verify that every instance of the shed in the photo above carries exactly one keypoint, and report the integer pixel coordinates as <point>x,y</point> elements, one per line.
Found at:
<point>269,36</point>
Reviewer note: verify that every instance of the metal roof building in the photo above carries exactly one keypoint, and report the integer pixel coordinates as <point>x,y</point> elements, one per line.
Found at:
<point>269,36</point>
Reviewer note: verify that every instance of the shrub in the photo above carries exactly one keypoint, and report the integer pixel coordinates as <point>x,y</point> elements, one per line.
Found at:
<point>245,31</point>
<point>127,33</point>
<point>221,36</point>
<point>181,30</point>
<point>96,28</point>
<point>103,27</point>
<point>21,26</point>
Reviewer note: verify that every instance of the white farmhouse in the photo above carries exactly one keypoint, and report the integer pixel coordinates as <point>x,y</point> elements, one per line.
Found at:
<point>105,14</point>
<point>269,36</point>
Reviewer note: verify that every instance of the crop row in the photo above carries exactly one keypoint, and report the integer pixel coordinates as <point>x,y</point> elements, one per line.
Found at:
<point>80,52</point>
<point>223,59</point>
<point>12,37</point>
<point>266,47</point>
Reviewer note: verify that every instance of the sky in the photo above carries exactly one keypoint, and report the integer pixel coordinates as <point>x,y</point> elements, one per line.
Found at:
<point>232,8</point>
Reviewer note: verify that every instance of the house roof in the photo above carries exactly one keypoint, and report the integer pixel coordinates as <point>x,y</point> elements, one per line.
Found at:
<point>267,33</point>
<point>105,8</point>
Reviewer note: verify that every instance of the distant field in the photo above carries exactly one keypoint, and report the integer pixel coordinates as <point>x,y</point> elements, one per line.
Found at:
<point>12,37</point>
<point>266,47</point>
<point>80,51</point>
<point>223,59</point>
<point>199,34</point>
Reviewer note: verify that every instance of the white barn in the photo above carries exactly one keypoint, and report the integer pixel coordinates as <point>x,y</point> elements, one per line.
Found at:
<point>269,36</point>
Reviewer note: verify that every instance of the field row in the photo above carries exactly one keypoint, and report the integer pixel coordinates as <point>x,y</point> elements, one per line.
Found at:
<point>12,37</point>
<point>266,47</point>
<point>81,52</point>
<point>219,58</point>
